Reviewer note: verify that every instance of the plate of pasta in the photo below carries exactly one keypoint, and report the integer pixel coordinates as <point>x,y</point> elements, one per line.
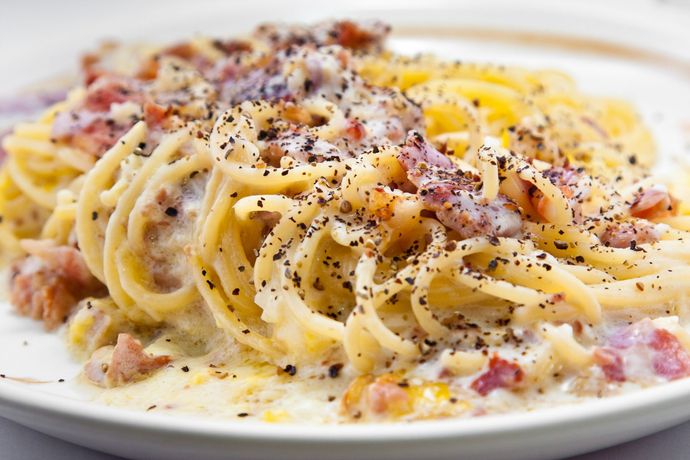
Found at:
<point>382,233</point>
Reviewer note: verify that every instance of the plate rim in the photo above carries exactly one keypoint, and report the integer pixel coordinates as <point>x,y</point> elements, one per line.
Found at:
<point>16,396</point>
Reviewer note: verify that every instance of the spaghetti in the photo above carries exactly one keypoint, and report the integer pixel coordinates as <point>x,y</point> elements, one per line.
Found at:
<point>437,230</point>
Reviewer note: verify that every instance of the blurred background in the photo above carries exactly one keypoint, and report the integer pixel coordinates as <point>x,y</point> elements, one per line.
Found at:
<point>42,37</point>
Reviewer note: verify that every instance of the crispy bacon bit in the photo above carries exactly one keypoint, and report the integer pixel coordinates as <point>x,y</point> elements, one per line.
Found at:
<point>96,137</point>
<point>89,127</point>
<point>130,360</point>
<point>233,46</point>
<point>90,68</point>
<point>148,70</point>
<point>654,203</point>
<point>622,235</point>
<point>353,35</point>
<point>611,364</point>
<point>124,363</point>
<point>418,153</point>
<point>460,209</point>
<point>48,284</point>
<point>501,374</point>
<point>106,91</point>
<point>41,296</point>
<point>671,359</point>
<point>572,184</point>
<point>155,114</point>
<point>355,130</point>
<point>652,348</point>
<point>454,195</point>
<point>181,50</point>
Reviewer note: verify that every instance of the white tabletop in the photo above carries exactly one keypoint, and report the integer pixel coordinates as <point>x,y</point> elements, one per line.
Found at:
<point>19,443</point>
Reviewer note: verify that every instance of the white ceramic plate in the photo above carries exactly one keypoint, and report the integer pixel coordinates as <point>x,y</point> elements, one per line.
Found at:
<point>639,51</point>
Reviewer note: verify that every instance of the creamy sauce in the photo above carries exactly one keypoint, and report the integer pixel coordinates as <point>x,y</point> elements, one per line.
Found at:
<point>232,382</point>
<point>229,383</point>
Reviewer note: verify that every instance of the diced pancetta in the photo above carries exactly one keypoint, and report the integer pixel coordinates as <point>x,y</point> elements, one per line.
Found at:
<point>109,90</point>
<point>89,126</point>
<point>643,350</point>
<point>501,374</point>
<point>629,234</point>
<point>611,363</point>
<point>126,362</point>
<point>47,284</point>
<point>417,154</point>
<point>653,203</point>
<point>455,195</point>
<point>572,182</point>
